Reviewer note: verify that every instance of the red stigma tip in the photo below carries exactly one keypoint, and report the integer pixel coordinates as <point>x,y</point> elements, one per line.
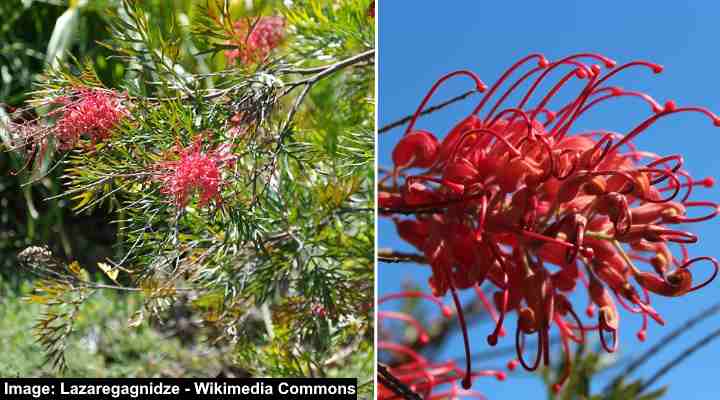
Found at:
<point>556,388</point>
<point>447,312</point>
<point>610,63</point>
<point>670,106</point>
<point>590,311</point>
<point>716,121</point>
<point>543,62</point>
<point>492,339</point>
<point>616,91</point>
<point>580,73</point>
<point>642,335</point>
<point>708,182</point>
<point>595,69</point>
<point>501,376</point>
<point>481,87</point>
<point>512,364</point>
<point>657,68</point>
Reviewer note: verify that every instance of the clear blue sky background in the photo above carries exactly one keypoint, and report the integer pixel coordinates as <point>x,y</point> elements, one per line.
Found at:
<point>421,40</point>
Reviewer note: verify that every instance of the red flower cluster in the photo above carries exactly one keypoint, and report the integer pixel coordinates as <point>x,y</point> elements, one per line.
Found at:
<point>432,380</point>
<point>513,199</point>
<point>193,170</point>
<point>255,39</point>
<point>91,112</point>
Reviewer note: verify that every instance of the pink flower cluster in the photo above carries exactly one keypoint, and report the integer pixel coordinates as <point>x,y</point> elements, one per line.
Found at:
<point>92,112</point>
<point>194,170</point>
<point>255,39</point>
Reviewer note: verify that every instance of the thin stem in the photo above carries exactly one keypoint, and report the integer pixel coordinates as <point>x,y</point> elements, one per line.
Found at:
<point>391,256</point>
<point>366,55</point>
<point>404,120</point>
<point>389,380</point>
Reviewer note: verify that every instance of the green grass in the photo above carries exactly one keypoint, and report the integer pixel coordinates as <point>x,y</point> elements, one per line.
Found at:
<point>102,344</point>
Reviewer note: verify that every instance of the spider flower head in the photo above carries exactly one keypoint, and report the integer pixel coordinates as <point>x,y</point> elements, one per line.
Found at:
<point>90,112</point>
<point>408,367</point>
<point>513,196</point>
<point>255,39</point>
<point>194,170</point>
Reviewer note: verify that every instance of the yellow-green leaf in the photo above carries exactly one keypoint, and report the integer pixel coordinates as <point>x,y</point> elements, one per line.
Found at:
<point>136,319</point>
<point>78,271</point>
<point>84,199</point>
<point>36,298</point>
<point>111,272</point>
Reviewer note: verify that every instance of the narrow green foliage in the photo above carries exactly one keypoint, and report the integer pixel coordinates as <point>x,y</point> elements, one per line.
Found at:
<point>327,29</point>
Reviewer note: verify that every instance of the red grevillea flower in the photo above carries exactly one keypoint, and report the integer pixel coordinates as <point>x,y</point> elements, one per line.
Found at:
<point>432,380</point>
<point>91,112</point>
<point>514,197</point>
<point>255,39</point>
<point>193,170</point>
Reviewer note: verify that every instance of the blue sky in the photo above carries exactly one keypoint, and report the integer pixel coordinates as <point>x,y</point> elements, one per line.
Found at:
<point>420,41</point>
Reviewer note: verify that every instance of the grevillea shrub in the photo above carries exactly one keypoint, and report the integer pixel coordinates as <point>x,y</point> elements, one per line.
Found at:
<point>515,198</point>
<point>232,154</point>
